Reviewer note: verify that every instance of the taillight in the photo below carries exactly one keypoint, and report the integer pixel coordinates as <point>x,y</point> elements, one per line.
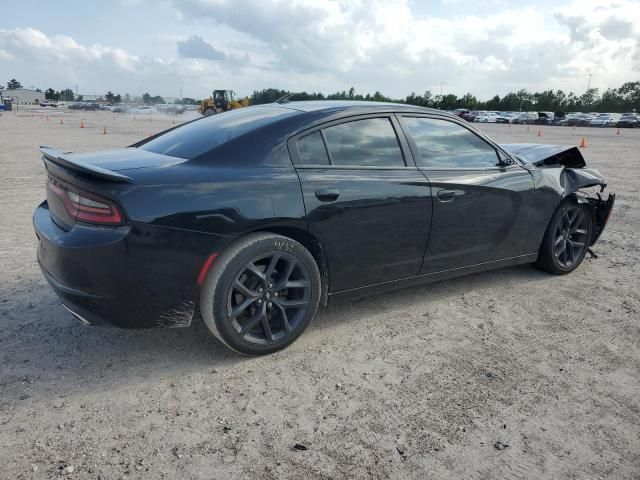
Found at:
<point>84,206</point>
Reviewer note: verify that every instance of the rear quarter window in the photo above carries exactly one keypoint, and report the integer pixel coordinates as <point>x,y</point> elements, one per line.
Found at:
<point>369,142</point>
<point>203,135</point>
<point>312,151</point>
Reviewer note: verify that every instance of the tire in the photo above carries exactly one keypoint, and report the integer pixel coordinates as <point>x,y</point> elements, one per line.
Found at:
<point>566,239</point>
<point>261,293</point>
<point>209,111</point>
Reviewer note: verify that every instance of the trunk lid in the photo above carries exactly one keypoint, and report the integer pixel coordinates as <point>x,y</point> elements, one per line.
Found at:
<point>81,184</point>
<point>104,163</point>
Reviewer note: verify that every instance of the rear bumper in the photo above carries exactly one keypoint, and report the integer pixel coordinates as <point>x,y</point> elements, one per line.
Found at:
<point>81,305</point>
<point>132,276</point>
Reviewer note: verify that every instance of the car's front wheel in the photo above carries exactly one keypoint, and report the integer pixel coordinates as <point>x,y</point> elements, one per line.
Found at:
<point>261,294</point>
<point>566,240</point>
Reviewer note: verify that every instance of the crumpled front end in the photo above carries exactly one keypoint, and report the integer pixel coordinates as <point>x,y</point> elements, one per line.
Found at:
<point>562,170</point>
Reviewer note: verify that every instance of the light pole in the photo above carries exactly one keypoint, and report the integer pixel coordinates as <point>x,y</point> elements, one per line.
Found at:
<point>589,83</point>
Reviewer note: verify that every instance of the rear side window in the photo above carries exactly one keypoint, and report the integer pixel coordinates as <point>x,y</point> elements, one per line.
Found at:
<point>444,144</point>
<point>312,151</point>
<point>369,142</point>
<point>203,135</point>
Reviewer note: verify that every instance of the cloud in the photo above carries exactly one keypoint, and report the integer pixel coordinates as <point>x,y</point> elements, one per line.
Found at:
<point>386,45</point>
<point>327,45</point>
<point>616,29</point>
<point>196,47</point>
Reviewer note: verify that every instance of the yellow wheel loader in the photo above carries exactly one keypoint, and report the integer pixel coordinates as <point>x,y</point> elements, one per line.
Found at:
<point>221,101</point>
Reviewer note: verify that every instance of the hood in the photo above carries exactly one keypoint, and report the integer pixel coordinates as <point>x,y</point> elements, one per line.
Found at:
<point>546,155</point>
<point>123,159</point>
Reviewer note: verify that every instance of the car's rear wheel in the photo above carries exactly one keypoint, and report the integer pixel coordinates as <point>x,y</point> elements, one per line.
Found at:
<point>210,111</point>
<point>567,238</point>
<point>261,294</point>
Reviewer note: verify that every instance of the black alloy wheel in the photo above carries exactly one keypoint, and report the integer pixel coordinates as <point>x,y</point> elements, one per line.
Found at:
<point>261,293</point>
<point>567,238</point>
<point>570,239</point>
<point>269,298</point>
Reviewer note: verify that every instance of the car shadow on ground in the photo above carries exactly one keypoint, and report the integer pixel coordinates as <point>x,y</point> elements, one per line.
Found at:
<point>45,348</point>
<point>494,280</point>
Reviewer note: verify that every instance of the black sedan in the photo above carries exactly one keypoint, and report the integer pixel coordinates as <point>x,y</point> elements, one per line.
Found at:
<point>255,217</point>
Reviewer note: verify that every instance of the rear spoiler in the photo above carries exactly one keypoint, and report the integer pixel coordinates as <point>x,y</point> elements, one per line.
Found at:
<point>63,159</point>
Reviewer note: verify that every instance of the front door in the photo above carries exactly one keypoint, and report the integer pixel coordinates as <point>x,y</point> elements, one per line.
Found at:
<point>482,205</point>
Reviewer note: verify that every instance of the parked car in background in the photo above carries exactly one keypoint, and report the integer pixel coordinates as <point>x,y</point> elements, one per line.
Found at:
<point>255,217</point>
<point>48,103</point>
<point>559,119</point>
<point>460,112</point>
<point>144,110</point>
<point>603,120</point>
<point>526,118</point>
<point>628,120</point>
<point>579,120</point>
<point>503,117</point>
<point>471,116</point>
<point>88,105</point>
<point>544,118</point>
<point>487,117</point>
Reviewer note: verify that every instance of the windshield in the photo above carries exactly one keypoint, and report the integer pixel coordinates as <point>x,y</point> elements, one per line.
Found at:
<point>205,134</point>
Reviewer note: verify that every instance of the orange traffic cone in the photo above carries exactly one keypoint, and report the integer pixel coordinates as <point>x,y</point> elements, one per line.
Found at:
<point>583,143</point>
<point>618,132</point>
<point>61,121</point>
<point>104,131</point>
<point>81,123</point>
<point>173,122</point>
<point>574,127</point>
<point>151,119</point>
<point>539,133</point>
<point>528,128</point>
<point>134,118</point>
<point>47,118</point>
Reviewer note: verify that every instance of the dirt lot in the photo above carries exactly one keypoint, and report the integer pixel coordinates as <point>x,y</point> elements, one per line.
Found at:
<point>419,383</point>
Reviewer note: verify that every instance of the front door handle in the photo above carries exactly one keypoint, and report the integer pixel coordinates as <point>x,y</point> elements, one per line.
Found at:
<point>446,195</point>
<point>327,194</point>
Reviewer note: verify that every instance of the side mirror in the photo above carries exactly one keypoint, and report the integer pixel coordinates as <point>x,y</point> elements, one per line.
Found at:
<point>504,160</point>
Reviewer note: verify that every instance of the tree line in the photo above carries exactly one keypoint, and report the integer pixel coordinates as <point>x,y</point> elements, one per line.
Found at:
<point>626,98</point>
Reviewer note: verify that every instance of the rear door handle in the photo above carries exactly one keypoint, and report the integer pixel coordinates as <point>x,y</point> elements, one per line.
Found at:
<point>446,195</point>
<point>327,194</point>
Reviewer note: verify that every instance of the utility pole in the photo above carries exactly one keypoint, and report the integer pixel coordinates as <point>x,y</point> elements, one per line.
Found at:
<point>589,83</point>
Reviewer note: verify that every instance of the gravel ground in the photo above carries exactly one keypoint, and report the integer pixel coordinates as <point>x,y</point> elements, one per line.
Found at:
<point>509,374</point>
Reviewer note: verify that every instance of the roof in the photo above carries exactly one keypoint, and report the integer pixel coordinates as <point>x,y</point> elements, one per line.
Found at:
<point>342,105</point>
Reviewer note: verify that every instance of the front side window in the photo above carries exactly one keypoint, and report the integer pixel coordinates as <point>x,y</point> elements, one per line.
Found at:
<point>444,144</point>
<point>368,142</point>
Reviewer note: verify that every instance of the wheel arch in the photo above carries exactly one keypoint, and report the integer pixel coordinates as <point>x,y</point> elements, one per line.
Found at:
<point>314,246</point>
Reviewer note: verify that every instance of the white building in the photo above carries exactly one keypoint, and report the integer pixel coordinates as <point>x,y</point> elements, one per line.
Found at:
<point>22,96</point>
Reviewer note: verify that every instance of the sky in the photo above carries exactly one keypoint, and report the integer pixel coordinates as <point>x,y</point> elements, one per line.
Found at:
<point>190,47</point>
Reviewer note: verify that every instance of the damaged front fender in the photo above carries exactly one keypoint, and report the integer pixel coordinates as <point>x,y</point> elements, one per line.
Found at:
<point>560,172</point>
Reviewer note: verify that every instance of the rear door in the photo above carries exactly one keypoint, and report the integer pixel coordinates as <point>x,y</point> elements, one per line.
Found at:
<point>365,199</point>
<point>482,206</point>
